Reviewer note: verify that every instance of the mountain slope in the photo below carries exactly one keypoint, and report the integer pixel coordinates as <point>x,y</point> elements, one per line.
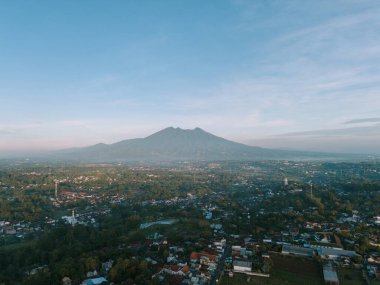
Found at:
<point>174,144</point>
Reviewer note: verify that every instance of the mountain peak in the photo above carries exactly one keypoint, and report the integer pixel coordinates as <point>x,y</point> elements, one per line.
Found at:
<point>178,130</point>
<point>174,144</point>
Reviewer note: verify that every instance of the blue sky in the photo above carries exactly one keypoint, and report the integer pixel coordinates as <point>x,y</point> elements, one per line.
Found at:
<point>269,73</point>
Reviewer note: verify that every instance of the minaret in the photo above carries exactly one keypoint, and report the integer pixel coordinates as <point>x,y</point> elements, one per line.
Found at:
<point>56,188</point>
<point>311,190</point>
<point>73,217</point>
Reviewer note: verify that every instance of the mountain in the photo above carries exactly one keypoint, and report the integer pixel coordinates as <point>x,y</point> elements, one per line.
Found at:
<point>175,144</point>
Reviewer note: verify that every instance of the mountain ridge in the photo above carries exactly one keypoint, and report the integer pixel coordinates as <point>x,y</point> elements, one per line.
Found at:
<point>176,144</point>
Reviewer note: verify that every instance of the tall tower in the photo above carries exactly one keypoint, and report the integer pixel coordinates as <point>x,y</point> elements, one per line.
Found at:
<point>56,188</point>
<point>311,190</point>
<point>286,182</point>
<point>73,217</point>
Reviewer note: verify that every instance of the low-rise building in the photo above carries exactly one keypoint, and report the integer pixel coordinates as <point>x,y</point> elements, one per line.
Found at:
<point>297,250</point>
<point>242,265</point>
<point>329,275</point>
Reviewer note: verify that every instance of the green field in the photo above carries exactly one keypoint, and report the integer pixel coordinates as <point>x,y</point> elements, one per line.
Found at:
<point>17,245</point>
<point>287,270</point>
<point>277,278</point>
<point>350,277</point>
<point>238,279</point>
<point>285,277</point>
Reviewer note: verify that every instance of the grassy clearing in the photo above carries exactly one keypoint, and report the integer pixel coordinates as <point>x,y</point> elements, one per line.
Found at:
<point>286,271</point>
<point>350,276</point>
<point>17,245</point>
<point>277,278</point>
<point>241,279</point>
<point>291,278</point>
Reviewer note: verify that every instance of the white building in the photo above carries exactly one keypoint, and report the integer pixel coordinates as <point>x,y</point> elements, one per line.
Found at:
<point>242,265</point>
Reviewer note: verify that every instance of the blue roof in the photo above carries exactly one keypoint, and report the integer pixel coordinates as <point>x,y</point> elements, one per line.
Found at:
<point>337,252</point>
<point>95,281</point>
<point>293,249</point>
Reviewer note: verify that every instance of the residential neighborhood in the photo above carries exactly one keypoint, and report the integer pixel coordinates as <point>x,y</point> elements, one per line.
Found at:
<point>251,228</point>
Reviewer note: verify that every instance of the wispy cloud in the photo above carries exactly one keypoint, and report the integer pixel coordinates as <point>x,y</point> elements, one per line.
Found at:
<point>6,132</point>
<point>315,74</point>
<point>354,131</point>
<point>270,67</point>
<point>366,120</point>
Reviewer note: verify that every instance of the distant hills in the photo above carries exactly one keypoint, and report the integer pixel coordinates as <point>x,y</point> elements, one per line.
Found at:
<point>176,144</point>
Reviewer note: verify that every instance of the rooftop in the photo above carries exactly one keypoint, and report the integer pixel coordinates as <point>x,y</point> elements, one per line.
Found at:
<point>297,250</point>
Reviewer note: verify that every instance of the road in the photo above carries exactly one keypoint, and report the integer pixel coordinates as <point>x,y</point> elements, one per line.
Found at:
<point>216,276</point>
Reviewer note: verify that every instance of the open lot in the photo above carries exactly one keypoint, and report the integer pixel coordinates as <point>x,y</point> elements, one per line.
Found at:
<point>286,270</point>
<point>350,277</point>
<point>278,278</point>
<point>301,266</point>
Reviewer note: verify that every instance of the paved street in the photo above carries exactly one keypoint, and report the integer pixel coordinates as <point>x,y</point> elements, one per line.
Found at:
<point>220,268</point>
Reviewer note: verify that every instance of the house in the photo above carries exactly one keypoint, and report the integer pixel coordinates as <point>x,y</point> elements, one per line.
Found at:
<point>204,261</point>
<point>241,251</point>
<point>92,274</point>
<point>377,272</point>
<point>10,230</point>
<point>216,227</point>
<point>175,270</point>
<point>106,266</point>
<point>374,270</point>
<point>208,215</point>
<point>203,258</point>
<point>311,225</point>
<point>242,265</point>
